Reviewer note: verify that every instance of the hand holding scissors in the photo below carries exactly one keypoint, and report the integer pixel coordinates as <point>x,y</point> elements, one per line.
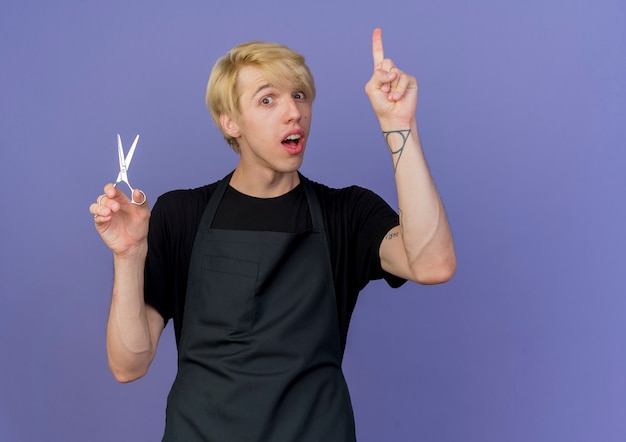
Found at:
<point>123,226</point>
<point>122,177</point>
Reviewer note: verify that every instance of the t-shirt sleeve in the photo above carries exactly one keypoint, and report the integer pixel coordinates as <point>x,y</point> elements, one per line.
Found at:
<point>157,274</point>
<point>173,224</point>
<point>373,220</point>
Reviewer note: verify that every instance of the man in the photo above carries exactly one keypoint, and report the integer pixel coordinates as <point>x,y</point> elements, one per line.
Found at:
<point>265,266</point>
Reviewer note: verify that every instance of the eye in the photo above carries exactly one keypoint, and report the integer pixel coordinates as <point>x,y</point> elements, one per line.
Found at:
<point>299,95</point>
<point>267,100</point>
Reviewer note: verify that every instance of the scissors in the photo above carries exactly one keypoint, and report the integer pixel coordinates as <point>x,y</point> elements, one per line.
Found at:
<point>122,177</point>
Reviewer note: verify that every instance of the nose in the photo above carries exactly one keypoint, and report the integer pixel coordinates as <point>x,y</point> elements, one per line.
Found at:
<point>292,110</point>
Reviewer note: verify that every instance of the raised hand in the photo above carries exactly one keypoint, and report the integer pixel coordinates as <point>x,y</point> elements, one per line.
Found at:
<point>392,92</point>
<point>122,225</point>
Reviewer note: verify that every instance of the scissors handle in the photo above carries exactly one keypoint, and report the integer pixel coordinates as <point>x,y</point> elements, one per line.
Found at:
<point>132,193</point>
<point>143,201</point>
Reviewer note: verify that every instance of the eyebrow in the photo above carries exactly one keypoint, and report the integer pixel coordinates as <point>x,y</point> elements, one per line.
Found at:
<point>260,88</point>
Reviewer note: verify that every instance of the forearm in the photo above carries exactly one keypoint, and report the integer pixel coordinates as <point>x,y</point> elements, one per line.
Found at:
<point>424,226</point>
<point>426,252</point>
<point>129,343</point>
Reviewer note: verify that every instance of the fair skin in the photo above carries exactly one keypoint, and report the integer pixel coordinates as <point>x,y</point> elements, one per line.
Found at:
<point>421,248</point>
<point>268,116</point>
<point>272,127</point>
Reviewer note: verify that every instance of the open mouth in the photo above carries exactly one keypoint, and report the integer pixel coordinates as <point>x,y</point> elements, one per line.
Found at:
<point>292,140</point>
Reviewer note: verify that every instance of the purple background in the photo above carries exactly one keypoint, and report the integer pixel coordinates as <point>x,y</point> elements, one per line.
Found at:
<point>522,115</point>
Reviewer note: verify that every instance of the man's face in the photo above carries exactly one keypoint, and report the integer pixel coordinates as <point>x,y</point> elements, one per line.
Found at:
<point>273,123</point>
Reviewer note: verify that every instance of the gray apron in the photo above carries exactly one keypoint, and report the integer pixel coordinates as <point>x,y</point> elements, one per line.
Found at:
<point>260,354</point>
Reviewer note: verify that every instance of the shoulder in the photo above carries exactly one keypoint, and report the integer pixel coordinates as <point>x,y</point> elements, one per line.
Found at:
<point>344,194</point>
<point>187,195</point>
<point>180,210</point>
<point>187,199</point>
<point>355,210</point>
<point>352,200</point>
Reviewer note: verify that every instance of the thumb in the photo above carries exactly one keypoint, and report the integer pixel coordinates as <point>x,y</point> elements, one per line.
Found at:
<point>139,198</point>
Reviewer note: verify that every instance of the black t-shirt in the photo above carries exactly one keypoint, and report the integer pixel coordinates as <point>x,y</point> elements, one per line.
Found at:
<point>356,221</point>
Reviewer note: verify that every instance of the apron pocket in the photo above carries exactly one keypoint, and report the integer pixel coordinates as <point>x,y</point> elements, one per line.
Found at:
<point>228,285</point>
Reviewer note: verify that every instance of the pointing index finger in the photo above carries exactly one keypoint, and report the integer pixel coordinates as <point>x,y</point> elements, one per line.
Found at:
<point>377,47</point>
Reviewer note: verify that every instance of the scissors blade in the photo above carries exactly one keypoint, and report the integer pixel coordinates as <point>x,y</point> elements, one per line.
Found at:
<point>129,157</point>
<point>120,153</point>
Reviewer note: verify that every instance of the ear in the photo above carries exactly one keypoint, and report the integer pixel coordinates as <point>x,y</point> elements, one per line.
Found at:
<point>229,126</point>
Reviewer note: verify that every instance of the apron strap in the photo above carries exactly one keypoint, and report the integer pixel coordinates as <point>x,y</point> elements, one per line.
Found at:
<point>214,202</point>
<point>314,205</point>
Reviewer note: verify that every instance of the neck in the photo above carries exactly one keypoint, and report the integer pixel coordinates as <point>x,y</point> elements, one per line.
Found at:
<point>268,184</point>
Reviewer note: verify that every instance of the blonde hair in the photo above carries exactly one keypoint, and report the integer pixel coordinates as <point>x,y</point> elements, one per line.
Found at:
<point>280,65</point>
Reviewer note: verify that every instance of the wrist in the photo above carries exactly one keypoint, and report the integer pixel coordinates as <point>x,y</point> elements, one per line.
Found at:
<point>134,253</point>
<point>394,124</point>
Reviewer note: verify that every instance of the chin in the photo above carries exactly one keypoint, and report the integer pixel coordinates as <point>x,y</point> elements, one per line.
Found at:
<point>292,164</point>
